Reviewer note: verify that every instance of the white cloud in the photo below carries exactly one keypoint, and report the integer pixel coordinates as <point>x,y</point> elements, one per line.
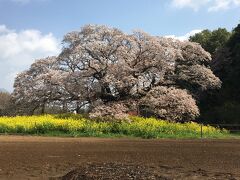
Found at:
<point>19,49</point>
<point>194,4</point>
<point>223,5</point>
<point>4,29</point>
<point>210,5</point>
<point>186,36</point>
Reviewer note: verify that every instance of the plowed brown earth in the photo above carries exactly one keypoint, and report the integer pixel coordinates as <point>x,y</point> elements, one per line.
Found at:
<point>23,157</point>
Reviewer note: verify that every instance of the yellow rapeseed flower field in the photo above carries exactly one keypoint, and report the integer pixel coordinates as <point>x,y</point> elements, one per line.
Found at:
<point>136,127</point>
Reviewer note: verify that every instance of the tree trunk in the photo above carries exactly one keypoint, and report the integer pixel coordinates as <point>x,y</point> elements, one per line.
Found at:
<point>43,109</point>
<point>64,108</point>
<point>32,110</point>
<point>78,108</point>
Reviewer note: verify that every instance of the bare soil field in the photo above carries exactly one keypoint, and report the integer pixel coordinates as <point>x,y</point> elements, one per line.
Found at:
<point>29,157</point>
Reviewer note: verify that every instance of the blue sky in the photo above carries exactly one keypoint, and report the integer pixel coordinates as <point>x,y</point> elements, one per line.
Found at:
<point>31,29</point>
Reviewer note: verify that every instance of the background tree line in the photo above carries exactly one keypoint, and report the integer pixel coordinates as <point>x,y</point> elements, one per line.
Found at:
<point>223,105</point>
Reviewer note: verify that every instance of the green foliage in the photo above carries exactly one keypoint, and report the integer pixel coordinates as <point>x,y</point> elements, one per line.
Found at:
<point>223,106</point>
<point>226,113</point>
<point>73,125</point>
<point>211,41</point>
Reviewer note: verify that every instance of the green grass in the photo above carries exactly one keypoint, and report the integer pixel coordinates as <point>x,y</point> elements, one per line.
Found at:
<point>80,126</point>
<point>235,135</point>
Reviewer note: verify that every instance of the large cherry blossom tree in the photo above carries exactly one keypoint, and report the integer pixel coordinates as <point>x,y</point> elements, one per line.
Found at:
<point>112,73</point>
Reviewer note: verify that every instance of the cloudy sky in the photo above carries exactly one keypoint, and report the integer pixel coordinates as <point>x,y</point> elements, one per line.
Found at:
<point>31,29</point>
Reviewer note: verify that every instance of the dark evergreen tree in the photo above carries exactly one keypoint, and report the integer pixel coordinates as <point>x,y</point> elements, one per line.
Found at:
<point>223,106</point>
